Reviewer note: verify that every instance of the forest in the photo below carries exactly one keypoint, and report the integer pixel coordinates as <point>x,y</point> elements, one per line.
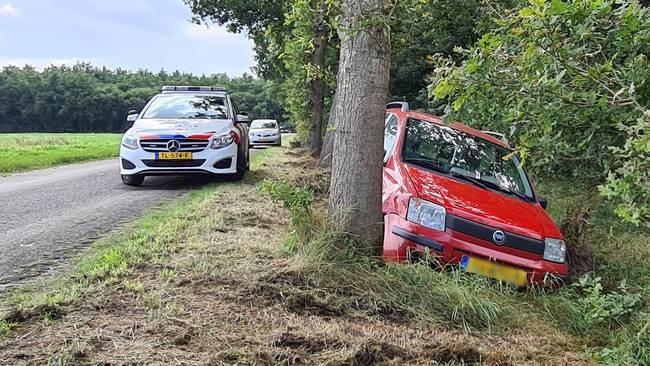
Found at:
<point>87,98</point>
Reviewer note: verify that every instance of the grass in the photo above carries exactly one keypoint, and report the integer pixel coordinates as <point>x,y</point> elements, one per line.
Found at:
<point>606,311</point>
<point>21,152</point>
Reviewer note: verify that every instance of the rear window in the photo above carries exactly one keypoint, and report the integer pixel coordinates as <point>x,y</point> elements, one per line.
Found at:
<point>264,124</point>
<point>182,106</point>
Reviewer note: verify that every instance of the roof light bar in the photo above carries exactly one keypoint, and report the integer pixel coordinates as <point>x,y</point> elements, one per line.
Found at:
<point>169,88</point>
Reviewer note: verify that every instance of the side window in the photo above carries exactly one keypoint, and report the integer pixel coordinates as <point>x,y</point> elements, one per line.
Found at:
<point>390,134</point>
<point>234,107</point>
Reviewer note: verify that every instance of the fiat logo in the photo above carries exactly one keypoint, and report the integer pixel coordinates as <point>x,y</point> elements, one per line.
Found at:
<point>499,237</point>
<point>173,146</point>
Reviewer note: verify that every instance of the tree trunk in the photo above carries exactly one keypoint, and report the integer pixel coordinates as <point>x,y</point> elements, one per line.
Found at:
<point>362,90</point>
<point>317,85</point>
<point>325,160</point>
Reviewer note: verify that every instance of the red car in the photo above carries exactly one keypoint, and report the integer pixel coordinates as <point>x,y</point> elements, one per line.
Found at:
<point>462,196</point>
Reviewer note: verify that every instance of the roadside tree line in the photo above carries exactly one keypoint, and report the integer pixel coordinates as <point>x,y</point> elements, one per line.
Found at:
<point>566,81</point>
<point>85,98</point>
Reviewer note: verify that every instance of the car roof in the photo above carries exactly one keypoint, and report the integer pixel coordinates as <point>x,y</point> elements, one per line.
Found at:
<point>455,125</point>
<point>186,92</point>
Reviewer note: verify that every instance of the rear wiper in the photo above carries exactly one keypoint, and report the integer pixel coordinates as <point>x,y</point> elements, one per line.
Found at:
<point>475,181</point>
<point>426,163</point>
<point>506,190</point>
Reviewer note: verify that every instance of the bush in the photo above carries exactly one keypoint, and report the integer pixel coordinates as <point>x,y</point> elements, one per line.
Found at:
<point>568,81</point>
<point>297,201</point>
<point>600,309</point>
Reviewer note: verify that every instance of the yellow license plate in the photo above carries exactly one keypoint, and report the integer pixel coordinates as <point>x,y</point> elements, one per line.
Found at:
<point>174,156</point>
<point>493,270</point>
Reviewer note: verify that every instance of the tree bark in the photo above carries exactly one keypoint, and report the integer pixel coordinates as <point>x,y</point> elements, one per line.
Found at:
<point>325,160</point>
<point>362,90</point>
<point>317,87</point>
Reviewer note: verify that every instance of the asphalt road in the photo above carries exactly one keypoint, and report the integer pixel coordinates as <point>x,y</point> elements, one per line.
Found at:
<point>47,216</point>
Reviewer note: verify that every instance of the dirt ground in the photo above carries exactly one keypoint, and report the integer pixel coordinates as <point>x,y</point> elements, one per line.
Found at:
<point>228,295</point>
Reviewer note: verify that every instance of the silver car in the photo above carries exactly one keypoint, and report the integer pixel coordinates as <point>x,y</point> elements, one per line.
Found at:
<point>265,132</point>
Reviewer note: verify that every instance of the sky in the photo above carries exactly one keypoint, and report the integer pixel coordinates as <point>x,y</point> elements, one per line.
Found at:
<point>131,34</point>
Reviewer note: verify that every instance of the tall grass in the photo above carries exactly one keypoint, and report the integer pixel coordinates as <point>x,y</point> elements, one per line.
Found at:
<point>607,315</point>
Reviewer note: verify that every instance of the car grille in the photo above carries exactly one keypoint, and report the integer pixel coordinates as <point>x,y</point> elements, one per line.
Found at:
<point>186,145</point>
<point>485,232</point>
<point>173,163</point>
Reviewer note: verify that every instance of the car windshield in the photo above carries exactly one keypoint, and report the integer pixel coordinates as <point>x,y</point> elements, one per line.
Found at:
<point>449,151</point>
<point>181,106</point>
<point>264,124</point>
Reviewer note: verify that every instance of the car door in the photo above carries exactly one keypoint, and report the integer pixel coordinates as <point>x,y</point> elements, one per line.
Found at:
<point>389,182</point>
<point>242,127</point>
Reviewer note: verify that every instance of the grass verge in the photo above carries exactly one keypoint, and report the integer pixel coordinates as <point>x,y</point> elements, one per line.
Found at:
<point>20,152</point>
<point>605,313</point>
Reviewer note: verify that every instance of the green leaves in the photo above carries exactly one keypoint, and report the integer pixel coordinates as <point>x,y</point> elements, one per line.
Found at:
<point>570,79</point>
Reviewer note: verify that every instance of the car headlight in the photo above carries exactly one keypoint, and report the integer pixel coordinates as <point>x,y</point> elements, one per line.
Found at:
<point>554,250</point>
<point>427,214</point>
<point>130,142</point>
<point>222,141</point>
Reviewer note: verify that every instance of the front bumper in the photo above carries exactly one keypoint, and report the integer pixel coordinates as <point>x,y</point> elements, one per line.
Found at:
<point>272,140</point>
<point>141,162</point>
<point>402,236</point>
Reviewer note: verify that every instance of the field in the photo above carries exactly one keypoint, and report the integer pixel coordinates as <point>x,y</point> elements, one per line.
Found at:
<point>21,152</point>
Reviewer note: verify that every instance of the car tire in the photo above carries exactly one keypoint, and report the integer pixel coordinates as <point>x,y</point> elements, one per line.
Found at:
<point>134,180</point>
<point>241,168</point>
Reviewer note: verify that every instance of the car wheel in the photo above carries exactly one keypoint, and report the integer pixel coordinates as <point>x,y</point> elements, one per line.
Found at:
<point>242,166</point>
<point>132,180</point>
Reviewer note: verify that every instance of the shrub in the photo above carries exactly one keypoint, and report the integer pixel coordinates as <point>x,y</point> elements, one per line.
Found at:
<point>297,201</point>
<point>568,81</point>
<point>600,309</point>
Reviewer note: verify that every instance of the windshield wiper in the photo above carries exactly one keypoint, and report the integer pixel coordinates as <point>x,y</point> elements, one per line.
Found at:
<point>506,190</point>
<point>426,163</point>
<point>475,181</point>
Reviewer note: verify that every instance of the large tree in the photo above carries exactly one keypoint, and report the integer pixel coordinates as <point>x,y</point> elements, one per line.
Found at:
<point>291,39</point>
<point>362,90</point>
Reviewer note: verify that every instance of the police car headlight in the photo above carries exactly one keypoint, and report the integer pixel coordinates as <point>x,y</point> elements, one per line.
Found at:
<point>130,142</point>
<point>222,141</point>
<point>554,250</point>
<point>427,214</point>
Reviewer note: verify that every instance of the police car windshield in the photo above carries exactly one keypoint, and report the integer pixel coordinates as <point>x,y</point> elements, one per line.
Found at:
<point>187,106</point>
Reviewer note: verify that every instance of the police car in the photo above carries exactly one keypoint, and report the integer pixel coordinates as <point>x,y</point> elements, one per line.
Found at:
<point>186,130</point>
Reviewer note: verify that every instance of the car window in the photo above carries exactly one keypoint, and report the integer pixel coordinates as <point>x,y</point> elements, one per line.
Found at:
<point>390,134</point>
<point>183,106</point>
<point>461,153</point>
<point>264,124</point>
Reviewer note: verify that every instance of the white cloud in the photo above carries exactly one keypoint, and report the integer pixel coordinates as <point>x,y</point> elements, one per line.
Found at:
<point>8,10</point>
<point>41,63</point>
<point>202,33</point>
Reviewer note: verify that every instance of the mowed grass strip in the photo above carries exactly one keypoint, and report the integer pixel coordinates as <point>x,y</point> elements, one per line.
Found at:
<point>21,152</point>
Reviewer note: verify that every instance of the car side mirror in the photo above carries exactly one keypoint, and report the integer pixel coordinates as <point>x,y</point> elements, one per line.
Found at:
<point>543,202</point>
<point>243,118</point>
<point>132,116</point>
